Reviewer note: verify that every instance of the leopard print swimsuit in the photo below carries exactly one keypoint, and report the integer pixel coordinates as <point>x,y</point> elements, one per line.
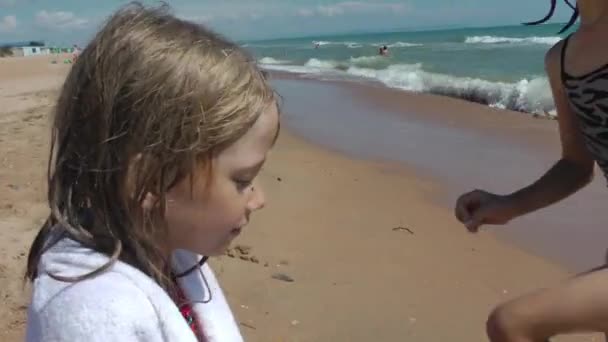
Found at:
<point>588,97</point>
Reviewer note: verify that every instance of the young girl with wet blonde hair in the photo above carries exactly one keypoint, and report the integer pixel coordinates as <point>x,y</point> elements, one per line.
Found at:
<point>158,134</point>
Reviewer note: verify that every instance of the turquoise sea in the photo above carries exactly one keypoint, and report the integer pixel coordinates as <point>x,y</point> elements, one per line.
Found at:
<point>498,66</point>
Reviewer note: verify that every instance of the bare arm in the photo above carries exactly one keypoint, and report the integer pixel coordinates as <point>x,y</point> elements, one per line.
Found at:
<point>575,168</point>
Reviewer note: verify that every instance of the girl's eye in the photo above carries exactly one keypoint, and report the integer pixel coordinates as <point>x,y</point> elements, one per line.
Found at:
<point>242,184</point>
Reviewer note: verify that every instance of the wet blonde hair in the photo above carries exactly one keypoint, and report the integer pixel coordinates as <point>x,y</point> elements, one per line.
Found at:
<point>149,100</point>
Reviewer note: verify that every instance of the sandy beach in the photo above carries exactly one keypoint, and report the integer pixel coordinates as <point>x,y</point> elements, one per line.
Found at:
<point>356,243</point>
<point>460,146</point>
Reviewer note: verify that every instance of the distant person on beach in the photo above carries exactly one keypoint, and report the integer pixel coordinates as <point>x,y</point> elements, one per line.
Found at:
<point>75,53</point>
<point>153,164</point>
<point>578,72</point>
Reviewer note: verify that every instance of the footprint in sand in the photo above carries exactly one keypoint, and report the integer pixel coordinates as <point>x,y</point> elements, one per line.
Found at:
<point>33,117</point>
<point>242,252</point>
<point>19,256</point>
<point>3,271</point>
<point>17,322</point>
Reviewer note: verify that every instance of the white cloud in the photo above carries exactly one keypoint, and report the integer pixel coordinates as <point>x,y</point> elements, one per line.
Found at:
<point>197,18</point>
<point>8,3</point>
<point>59,20</point>
<point>242,11</point>
<point>344,7</point>
<point>8,23</point>
<point>239,11</point>
<point>304,12</point>
<point>242,15</point>
<point>330,11</point>
<point>255,16</point>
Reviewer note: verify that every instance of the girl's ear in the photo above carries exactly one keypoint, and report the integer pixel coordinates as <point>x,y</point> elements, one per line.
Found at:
<point>149,202</point>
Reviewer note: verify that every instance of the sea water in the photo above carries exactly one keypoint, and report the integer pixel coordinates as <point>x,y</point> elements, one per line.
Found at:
<point>498,66</point>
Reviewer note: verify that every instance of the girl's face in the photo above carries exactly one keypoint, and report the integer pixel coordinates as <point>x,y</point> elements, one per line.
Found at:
<point>205,215</point>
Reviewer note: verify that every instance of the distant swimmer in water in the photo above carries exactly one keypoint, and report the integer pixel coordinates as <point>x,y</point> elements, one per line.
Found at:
<point>383,51</point>
<point>317,45</point>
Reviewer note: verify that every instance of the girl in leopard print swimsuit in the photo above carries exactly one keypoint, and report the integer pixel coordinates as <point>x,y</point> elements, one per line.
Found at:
<point>578,72</point>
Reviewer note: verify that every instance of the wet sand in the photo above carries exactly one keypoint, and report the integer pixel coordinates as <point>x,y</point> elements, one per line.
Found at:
<point>347,249</point>
<point>461,146</point>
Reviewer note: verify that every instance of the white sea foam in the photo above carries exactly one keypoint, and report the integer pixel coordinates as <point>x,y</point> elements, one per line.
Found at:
<point>511,40</point>
<point>528,95</point>
<point>270,60</point>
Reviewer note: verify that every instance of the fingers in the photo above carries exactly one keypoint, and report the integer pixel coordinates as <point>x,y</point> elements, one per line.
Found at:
<point>468,211</point>
<point>474,223</point>
<point>461,211</point>
<point>464,205</point>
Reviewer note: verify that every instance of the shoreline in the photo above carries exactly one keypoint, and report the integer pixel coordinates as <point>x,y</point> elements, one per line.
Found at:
<point>529,94</point>
<point>492,149</point>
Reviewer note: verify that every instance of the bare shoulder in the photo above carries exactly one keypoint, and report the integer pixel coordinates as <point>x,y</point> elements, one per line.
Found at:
<point>553,59</point>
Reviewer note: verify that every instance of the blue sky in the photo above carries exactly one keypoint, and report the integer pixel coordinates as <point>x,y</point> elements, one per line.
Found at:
<point>67,21</point>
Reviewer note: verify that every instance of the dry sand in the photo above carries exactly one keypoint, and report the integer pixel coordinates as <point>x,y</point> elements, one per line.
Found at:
<point>361,250</point>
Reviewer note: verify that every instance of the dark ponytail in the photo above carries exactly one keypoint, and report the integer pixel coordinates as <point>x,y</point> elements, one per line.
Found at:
<point>571,22</point>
